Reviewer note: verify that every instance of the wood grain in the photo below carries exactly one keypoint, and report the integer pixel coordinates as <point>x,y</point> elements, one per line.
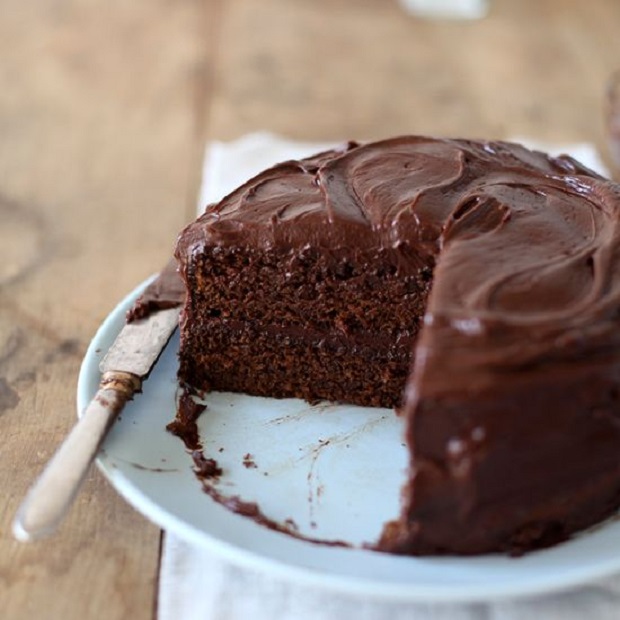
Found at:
<point>104,110</point>
<point>330,69</point>
<point>97,117</point>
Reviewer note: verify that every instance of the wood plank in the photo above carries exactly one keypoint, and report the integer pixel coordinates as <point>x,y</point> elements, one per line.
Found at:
<point>327,70</point>
<point>98,123</point>
<point>103,113</point>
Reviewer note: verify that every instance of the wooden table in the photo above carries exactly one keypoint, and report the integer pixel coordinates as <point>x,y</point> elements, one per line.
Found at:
<point>104,112</point>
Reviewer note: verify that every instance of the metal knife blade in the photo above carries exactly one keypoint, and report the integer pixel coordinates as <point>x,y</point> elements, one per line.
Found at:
<point>139,344</point>
<point>141,341</point>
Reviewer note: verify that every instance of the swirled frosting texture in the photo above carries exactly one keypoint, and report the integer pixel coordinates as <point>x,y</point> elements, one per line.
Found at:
<point>520,239</point>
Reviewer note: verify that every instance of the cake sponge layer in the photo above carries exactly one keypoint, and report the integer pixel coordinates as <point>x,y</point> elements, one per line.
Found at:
<point>266,361</point>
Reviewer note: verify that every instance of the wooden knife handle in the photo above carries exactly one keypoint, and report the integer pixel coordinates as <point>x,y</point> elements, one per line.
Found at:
<point>52,494</point>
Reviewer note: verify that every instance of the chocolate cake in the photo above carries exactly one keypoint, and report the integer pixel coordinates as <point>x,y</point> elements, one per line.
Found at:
<point>474,284</point>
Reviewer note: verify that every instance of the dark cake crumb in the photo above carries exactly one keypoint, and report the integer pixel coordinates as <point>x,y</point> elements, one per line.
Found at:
<point>205,468</point>
<point>248,461</point>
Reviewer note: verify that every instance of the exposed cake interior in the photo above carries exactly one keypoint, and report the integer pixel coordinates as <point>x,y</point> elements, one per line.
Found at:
<point>289,316</point>
<point>291,295</point>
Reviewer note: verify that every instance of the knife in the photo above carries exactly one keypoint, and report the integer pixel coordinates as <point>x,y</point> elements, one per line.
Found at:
<point>128,361</point>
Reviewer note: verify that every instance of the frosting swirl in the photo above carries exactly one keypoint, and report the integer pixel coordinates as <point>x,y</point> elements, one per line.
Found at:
<point>524,245</point>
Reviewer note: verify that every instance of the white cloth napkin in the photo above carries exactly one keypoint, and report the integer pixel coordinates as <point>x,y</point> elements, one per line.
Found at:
<point>198,585</point>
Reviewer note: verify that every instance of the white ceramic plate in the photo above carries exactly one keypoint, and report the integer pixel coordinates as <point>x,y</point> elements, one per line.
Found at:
<point>334,470</point>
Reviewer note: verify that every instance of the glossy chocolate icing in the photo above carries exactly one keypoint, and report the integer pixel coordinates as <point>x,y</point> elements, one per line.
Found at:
<point>523,310</point>
<point>167,290</point>
<point>402,196</point>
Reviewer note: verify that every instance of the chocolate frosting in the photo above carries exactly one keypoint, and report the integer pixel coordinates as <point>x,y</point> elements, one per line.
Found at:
<point>520,238</point>
<point>167,290</point>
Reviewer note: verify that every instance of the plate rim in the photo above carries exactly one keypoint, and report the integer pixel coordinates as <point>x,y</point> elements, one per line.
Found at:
<point>337,583</point>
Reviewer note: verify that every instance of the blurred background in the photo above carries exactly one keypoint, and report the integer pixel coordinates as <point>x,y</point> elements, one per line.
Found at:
<point>105,107</point>
<point>105,110</point>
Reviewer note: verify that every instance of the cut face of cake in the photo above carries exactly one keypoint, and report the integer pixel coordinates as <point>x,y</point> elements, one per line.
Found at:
<point>298,290</point>
<point>474,284</point>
